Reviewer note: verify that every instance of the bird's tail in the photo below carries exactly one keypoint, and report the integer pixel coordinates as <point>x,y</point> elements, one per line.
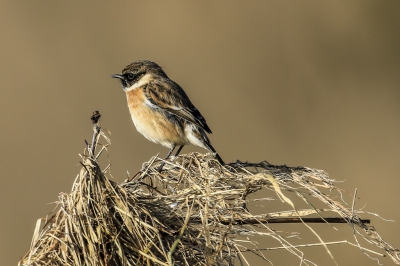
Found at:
<point>209,147</point>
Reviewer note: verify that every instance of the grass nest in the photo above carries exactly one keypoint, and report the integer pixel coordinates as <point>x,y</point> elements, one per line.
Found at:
<point>193,212</point>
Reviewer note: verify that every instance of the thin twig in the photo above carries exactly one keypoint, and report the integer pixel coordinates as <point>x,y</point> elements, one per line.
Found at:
<point>314,245</point>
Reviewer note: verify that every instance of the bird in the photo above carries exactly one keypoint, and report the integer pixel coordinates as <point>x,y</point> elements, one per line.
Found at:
<point>161,110</point>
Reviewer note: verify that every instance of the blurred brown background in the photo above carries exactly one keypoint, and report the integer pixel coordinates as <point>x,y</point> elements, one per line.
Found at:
<point>312,83</point>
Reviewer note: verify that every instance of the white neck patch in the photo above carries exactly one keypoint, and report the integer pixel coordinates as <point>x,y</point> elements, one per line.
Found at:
<point>142,81</point>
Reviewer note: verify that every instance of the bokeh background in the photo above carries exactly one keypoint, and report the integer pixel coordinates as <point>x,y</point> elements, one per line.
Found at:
<point>311,83</point>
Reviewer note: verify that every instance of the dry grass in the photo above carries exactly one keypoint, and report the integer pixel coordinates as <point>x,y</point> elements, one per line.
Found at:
<point>192,213</point>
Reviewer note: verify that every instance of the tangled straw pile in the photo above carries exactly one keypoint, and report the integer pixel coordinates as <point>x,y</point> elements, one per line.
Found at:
<point>192,213</point>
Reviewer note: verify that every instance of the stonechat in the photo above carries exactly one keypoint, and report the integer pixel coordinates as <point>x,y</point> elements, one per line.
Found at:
<point>161,110</point>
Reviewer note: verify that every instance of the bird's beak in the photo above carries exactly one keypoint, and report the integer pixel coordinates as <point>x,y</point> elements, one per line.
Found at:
<point>121,78</point>
<point>118,76</point>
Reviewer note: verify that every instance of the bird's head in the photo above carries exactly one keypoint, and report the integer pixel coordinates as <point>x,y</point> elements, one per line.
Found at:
<point>138,71</point>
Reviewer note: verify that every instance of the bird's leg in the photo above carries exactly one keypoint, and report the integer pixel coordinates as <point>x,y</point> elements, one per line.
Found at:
<point>168,154</point>
<point>178,151</point>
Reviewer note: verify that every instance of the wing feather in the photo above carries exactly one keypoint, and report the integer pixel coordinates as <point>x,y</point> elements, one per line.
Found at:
<point>168,95</point>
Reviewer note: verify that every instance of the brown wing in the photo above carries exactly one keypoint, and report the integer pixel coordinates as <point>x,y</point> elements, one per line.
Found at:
<point>168,95</point>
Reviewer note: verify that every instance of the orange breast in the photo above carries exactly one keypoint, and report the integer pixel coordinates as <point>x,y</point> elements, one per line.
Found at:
<point>153,124</point>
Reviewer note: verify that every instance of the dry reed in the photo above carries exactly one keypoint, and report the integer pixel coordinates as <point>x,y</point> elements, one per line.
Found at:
<point>192,213</point>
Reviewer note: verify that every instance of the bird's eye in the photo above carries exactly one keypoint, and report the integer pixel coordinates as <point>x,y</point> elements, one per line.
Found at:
<point>130,76</point>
